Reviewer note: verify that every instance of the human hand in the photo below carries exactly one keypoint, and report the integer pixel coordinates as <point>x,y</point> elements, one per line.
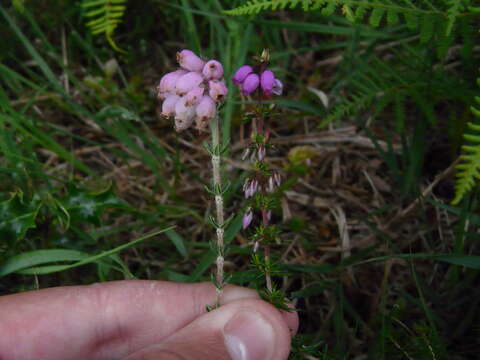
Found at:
<point>149,320</point>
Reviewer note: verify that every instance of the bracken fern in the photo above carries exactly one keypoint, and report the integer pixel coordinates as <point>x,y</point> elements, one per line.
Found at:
<point>424,16</point>
<point>104,17</point>
<point>469,169</point>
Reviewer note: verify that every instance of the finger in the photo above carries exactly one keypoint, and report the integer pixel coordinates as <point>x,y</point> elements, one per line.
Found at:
<point>248,329</point>
<point>108,320</point>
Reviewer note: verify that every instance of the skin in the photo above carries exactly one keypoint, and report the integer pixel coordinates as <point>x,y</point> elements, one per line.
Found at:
<point>130,320</point>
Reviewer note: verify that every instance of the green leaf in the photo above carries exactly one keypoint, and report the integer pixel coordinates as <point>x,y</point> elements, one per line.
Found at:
<point>39,257</point>
<point>85,205</point>
<point>48,269</point>
<point>178,241</point>
<point>376,16</point>
<point>17,215</point>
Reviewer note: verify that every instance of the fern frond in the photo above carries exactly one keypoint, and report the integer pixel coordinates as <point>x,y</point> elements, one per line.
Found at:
<point>468,171</point>
<point>455,8</point>
<point>103,17</point>
<point>425,16</point>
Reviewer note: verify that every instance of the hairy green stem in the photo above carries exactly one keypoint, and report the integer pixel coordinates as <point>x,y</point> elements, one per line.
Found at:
<point>217,185</point>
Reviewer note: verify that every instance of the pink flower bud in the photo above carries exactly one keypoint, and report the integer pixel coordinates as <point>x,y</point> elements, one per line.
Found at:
<point>167,83</point>
<point>277,87</point>
<point>267,81</point>
<point>183,114</point>
<point>194,95</point>
<point>205,112</point>
<point>168,106</point>
<point>247,219</point>
<point>187,82</point>
<point>251,188</point>
<point>250,84</point>
<point>241,74</point>
<point>189,61</point>
<point>218,90</point>
<point>212,70</point>
<point>261,152</point>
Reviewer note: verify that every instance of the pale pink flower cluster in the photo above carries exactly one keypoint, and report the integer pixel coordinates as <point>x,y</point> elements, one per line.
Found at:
<point>191,93</point>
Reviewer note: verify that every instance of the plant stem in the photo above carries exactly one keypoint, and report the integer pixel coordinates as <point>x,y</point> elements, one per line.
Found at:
<point>266,250</point>
<point>217,185</point>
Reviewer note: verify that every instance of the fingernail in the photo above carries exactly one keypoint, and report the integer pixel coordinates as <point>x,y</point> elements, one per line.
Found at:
<point>249,336</point>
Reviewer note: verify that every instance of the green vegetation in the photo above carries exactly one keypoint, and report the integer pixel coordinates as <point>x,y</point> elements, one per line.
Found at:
<point>378,219</point>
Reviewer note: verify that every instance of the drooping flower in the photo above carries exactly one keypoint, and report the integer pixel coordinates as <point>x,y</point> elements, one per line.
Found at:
<point>218,90</point>
<point>250,84</point>
<point>187,82</point>
<point>267,81</point>
<point>194,95</point>
<point>212,70</point>
<point>184,114</point>
<point>205,111</point>
<point>168,81</point>
<point>277,87</point>
<point>261,152</point>
<point>168,106</point>
<point>188,60</point>
<point>247,219</point>
<point>241,74</point>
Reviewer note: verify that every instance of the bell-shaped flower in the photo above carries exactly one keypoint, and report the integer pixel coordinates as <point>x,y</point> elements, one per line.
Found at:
<point>205,111</point>
<point>184,114</point>
<point>250,84</point>
<point>261,152</point>
<point>167,83</point>
<point>194,95</point>
<point>277,87</point>
<point>247,219</point>
<point>267,81</point>
<point>187,82</point>
<point>212,70</point>
<point>168,106</point>
<point>189,61</point>
<point>217,90</point>
<point>241,74</point>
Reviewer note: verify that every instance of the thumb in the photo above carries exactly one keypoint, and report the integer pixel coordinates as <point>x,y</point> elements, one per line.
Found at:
<point>247,329</point>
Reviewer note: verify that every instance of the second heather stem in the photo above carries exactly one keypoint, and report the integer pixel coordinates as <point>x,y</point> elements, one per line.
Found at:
<point>217,184</point>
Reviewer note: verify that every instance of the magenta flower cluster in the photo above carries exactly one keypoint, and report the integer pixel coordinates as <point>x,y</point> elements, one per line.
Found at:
<point>249,81</point>
<point>192,92</point>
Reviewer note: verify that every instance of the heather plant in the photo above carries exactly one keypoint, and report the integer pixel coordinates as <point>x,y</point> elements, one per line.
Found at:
<point>259,84</point>
<point>190,95</point>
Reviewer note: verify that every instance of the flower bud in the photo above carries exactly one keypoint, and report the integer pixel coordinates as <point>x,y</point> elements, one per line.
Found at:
<point>247,219</point>
<point>277,87</point>
<point>194,96</point>
<point>250,84</point>
<point>168,106</point>
<point>241,74</point>
<point>251,188</point>
<point>212,70</point>
<point>271,185</point>
<point>187,82</point>
<point>189,61</point>
<point>277,178</point>
<point>205,112</point>
<point>183,114</point>
<point>218,90</point>
<point>267,81</point>
<point>261,152</point>
<point>167,83</point>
